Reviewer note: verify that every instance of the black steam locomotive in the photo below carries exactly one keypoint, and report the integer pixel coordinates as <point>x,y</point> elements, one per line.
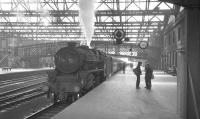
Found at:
<point>78,70</point>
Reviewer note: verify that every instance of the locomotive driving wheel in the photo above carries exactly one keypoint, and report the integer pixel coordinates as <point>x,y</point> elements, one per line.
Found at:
<point>55,98</point>
<point>97,81</point>
<point>72,97</point>
<point>75,97</point>
<point>91,81</point>
<point>49,93</point>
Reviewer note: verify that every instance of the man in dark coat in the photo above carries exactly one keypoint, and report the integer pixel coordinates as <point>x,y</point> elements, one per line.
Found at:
<point>138,72</point>
<point>124,67</point>
<point>148,75</point>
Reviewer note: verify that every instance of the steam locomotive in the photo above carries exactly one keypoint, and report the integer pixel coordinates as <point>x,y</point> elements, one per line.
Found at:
<point>78,70</point>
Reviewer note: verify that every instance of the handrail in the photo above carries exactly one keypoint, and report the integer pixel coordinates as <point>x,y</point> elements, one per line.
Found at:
<point>193,94</point>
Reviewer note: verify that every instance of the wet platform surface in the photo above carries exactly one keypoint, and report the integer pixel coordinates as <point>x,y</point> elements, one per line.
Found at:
<point>118,98</point>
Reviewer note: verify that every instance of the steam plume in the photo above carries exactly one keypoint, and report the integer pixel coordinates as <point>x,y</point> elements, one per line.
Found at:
<point>87,18</point>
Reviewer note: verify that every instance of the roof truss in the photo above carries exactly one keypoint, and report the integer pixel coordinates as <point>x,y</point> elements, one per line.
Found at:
<point>59,19</point>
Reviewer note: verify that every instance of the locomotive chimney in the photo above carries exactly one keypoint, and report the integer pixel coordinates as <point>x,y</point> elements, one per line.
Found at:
<point>87,18</point>
<point>72,44</point>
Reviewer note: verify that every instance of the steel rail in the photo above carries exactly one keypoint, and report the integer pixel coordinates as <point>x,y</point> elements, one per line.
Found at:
<point>7,82</point>
<point>49,111</point>
<point>17,95</point>
<point>27,98</point>
<point>21,88</point>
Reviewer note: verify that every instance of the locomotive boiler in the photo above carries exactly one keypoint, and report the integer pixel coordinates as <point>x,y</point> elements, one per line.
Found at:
<point>78,70</point>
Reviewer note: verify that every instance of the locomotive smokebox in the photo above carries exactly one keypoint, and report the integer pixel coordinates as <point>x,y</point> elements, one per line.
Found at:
<point>68,60</point>
<point>71,59</point>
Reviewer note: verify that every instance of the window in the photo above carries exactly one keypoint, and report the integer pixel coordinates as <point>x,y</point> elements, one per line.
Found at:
<point>169,38</point>
<point>165,41</point>
<point>174,37</point>
<point>179,33</point>
<point>175,59</point>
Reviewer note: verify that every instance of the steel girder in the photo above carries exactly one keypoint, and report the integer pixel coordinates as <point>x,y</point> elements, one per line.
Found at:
<point>49,49</point>
<point>65,19</point>
<point>75,13</point>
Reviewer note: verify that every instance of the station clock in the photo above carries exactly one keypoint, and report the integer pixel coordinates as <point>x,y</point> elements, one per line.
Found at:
<point>143,44</point>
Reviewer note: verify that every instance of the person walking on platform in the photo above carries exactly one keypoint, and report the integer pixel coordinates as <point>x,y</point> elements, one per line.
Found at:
<point>138,72</point>
<point>148,76</point>
<point>124,67</point>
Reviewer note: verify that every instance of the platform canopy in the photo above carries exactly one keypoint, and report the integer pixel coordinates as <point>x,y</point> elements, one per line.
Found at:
<point>185,3</point>
<point>60,19</point>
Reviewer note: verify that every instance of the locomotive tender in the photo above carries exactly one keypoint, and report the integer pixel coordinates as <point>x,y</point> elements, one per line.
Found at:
<point>78,70</point>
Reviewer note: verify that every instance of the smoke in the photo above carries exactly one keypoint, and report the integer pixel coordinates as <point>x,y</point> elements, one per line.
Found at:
<point>87,18</point>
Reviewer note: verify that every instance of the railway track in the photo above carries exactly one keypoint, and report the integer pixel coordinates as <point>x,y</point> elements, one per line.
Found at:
<point>16,90</point>
<point>14,100</point>
<point>31,90</point>
<point>20,80</point>
<point>10,99</point>
<point>49,111</point>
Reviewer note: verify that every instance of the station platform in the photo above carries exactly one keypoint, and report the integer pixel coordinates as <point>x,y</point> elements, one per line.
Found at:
<point>118,98</point>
